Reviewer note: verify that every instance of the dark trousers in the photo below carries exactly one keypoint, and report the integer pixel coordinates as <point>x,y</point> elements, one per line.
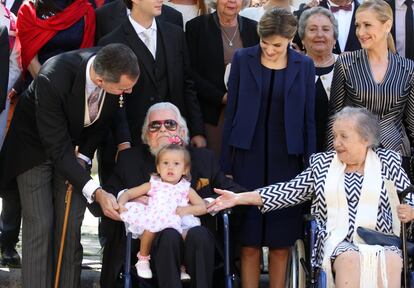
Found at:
<point>10,220</point>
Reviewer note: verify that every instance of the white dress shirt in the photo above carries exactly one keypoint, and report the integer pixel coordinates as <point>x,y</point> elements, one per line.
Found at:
<point>91,185</point>
<point>143,32</point>
<point>344,19</point>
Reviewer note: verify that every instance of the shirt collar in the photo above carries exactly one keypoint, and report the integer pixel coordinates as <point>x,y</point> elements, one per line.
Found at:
<point>335,5</point>
<point>139,28</point>
<point>89,85</point>
<point>400,3</point>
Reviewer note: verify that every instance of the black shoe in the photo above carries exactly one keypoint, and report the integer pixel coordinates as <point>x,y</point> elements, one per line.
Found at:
<point>10,258</point>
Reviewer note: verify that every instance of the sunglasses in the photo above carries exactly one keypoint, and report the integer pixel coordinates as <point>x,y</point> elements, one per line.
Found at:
<point>169,124</point>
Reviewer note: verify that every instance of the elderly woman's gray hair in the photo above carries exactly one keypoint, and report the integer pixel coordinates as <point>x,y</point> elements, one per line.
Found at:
<point>165,106</point>
<point>367,124</point>
<point>277,22</point>
<point>213,4</point>
<point>303,20</point>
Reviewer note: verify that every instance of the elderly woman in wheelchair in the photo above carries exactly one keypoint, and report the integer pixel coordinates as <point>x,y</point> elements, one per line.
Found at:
<point>354,186</point>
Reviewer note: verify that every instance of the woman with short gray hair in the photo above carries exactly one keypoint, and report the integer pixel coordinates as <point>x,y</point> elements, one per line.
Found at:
<point>318,30</point>
<point>366,124</point>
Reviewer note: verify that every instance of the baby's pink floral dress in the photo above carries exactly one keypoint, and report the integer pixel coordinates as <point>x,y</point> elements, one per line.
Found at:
<point>159,213</point>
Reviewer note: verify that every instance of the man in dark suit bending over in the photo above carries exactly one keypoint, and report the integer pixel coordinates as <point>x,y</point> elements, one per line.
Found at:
<point>56,128</point>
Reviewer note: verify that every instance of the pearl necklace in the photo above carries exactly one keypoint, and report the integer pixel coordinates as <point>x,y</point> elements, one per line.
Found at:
<point>227,37</point>
<point>324,64</point>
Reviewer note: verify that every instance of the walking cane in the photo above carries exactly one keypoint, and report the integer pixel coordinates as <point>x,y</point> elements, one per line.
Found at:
<point>68,200</point>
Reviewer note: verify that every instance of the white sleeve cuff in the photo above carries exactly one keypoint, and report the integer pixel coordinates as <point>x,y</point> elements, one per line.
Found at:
<point>88,190</point>
<point>120,193</point>
<point>84,158</point>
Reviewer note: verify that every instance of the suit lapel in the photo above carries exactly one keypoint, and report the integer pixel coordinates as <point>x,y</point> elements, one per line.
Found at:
<point>392,4</point>
<point>292,70</point>
<point>215,33</point>
<point>255,68</point>
<point>352,39</point>
<point>139,48</point>
<point>76,100</point>
<point>170,52</point>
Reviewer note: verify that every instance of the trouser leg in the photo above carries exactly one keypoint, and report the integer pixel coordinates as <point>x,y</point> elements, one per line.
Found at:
<point>199,257</point>
<point>35,188</point>
<point>10,219</point>
<point>73,251</point>
<point>166,258</point>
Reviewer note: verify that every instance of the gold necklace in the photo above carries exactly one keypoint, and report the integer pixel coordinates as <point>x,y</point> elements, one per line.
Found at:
<point>227,37</point>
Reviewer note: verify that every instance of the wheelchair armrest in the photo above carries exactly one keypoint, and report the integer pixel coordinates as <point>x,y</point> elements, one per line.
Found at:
<point>227,211</point>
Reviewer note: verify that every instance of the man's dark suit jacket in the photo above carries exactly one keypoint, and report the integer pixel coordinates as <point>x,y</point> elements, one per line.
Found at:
<point>4,65</point>
<point>352,43</point>
<point>181,90</point>
<point>205,47</point>
<point>49,121</point>
<point>110,16</point>
<point>392,4</point>
<point>134,168</point>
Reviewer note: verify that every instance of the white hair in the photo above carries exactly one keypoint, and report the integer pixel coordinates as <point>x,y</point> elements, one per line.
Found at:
<point>182,124</point>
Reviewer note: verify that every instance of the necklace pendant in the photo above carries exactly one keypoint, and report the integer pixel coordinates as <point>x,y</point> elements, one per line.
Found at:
<point>231,44</point>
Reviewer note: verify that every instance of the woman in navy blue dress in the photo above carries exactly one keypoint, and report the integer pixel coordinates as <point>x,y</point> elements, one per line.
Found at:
<point>269,132</point>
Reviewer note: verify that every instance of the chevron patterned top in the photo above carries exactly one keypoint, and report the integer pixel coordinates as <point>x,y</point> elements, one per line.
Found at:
<point>392,99</point>
<point>309,185</point>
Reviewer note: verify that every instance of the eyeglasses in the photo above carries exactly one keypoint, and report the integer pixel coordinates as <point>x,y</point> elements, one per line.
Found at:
<point>169,124</point>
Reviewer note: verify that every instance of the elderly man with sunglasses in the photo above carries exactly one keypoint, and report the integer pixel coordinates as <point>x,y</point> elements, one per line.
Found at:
<point>163,125</point>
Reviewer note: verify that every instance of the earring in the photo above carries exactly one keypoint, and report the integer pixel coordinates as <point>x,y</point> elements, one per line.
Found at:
<point>121,101</point>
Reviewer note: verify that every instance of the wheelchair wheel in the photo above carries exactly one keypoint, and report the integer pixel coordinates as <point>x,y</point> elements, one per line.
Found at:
<point>295,274</point>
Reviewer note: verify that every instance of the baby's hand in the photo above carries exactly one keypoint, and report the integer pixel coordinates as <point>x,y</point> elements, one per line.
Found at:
<point>122,208</point>
<point>180,211</point>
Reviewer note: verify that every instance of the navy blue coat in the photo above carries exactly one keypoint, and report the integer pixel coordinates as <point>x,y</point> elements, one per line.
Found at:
<point>244,98</point>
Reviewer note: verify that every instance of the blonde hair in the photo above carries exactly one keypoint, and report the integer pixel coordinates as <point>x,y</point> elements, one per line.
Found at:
<point>383,13</point>
<point>202,7</point>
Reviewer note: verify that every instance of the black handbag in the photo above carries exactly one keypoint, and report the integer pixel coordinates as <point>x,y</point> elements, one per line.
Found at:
<point>373,237</point>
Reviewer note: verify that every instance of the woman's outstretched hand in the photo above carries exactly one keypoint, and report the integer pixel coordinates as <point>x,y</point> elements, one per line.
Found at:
<point>227,199</point>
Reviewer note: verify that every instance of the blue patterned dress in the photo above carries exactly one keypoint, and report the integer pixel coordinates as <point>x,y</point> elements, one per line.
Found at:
<point>310,184</point>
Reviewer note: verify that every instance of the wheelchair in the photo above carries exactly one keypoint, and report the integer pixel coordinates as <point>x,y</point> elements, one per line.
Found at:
<point>302,274</point>
<point>229,277</point>
<point>300,271</point>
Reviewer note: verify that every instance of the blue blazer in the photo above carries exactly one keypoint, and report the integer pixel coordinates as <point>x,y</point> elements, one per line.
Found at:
<point>244,98</point>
